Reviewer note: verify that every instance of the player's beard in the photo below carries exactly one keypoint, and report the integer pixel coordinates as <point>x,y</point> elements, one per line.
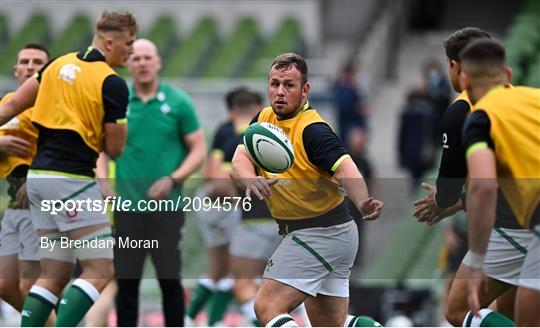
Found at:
<point>288,111</point>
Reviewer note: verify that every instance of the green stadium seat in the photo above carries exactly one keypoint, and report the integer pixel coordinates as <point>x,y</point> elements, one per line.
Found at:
<point>163,34</point>
<point>36,29</point>
<point>76,36</point>
<point>188,58</point>
<point>4,30</point>
<point>523,43</point>
<point>233,53</point>
<point>286,39</point>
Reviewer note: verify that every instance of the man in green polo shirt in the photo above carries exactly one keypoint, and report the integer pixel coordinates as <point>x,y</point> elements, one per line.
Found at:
<point>165,144</point>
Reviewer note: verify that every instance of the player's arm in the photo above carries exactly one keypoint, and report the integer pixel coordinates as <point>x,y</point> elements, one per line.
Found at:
<point>102,175</point>
<point>22,99</point>
<point>244,175</point>
<point>481,197</point>
<point>196,146</point>
<point>115,101</point>
<point>326,151</point>
<point>445,199</point>
<point>354,184</point>
<point>482,191</point>
<point>214,168</point>
<point>453,167</point>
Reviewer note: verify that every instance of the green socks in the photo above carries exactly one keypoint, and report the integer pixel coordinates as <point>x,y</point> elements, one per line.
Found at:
<point>487,318</point>
<point>201,295</point>
<point>37,307</point>
<point>219,302</point>
<point>77,300</point>
<point>360,321</point>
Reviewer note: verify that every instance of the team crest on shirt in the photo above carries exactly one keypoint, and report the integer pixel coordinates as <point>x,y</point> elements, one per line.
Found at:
<point>68,73</point>
<point>165,109</point>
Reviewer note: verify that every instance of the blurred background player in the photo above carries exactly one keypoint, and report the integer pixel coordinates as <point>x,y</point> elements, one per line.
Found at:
<point>349,101</point>
<point>256,236</point>
<point>216,226</point>
<point>316,273</point>
<point>73,129</point>
<point>499,136</point>
<point>19,242</point>
<point>159,114</point>
<point>504,258</point>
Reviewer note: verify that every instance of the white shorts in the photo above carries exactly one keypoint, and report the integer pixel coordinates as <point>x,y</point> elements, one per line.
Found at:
<point>256,239</point>
<point>530,272</point>
<point>216,226</point>
<point>505,254</point>
<point>316,260</point>
<point>18,236</point>
<point>44,188</point>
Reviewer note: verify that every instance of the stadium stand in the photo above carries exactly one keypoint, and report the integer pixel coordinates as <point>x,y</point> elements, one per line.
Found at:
<point>4,31</point>
<point>287,38</point>
<point>230,57</point>
<point>36,29</point>
<point>163,33</point>
<point>187,59</point>
<point>523,44</point>
<point>76,35</point>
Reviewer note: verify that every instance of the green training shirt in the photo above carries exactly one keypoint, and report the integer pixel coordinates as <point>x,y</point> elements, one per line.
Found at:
<point>154,147</point>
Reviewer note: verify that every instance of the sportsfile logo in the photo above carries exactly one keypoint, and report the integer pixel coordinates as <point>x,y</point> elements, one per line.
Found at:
<point>119,204</point>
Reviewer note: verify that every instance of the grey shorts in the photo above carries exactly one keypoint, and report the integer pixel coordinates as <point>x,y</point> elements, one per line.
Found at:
<point>530,272</point>
<point>18,236</point>
<point>316,260</point>
<point>256,239</point>
<point>216,226</point>
<point>505,254</point>
<point>44,188</point>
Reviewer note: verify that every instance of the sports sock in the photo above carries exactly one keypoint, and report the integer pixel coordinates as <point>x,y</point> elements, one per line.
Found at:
<point>77,300</point>
<point>282,320</point>
<point>201,295</point>
<point>37,307</point>
<point>219,301</point>
<point>248,311</point>
<point>360,321</point>
<point>487,318</point>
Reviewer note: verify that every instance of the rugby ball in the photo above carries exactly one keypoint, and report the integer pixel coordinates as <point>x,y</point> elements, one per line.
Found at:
<point>268,147</point>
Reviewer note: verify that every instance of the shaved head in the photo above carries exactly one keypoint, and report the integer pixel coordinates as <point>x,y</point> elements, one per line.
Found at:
<point>145,63</point>
<point>145,44</point>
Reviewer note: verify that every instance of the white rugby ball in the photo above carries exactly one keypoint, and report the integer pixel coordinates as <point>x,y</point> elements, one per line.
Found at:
<point>269,147</point>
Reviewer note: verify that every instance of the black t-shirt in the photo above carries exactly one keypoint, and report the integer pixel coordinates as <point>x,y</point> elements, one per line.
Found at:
<point>323,147</point>
<point>65,150</point>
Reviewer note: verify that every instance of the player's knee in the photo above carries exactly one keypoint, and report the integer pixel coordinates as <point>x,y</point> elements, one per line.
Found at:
<point>25,285</point>
<point>102,269</point>
<point>454,315</point>
<point>7,288</point>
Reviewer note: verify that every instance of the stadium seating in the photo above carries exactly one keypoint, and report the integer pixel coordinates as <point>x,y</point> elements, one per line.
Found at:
<point>36,29</point>
<point>523,43</point>
<point>201,53</point>
<point>164,34</point>
<point>77,35</point>
<point>287,38</point>
<point>234,52</point>
<point>4,31</point>
<point>187,59</point>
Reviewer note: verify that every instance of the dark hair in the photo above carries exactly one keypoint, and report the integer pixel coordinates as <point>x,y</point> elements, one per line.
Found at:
<point>460,38</point>
<point>484,52</point>
<point>231,95</point>
<point>287,60</point>
<point>36,46</point>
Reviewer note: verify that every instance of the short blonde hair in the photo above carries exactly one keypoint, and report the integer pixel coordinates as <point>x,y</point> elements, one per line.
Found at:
<point>113,21</point>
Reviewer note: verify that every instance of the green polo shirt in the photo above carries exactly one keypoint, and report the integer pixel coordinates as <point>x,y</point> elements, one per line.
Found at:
<point>154,147</point>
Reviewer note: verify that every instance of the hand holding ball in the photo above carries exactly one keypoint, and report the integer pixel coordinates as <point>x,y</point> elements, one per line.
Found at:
<point>268,147</point>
